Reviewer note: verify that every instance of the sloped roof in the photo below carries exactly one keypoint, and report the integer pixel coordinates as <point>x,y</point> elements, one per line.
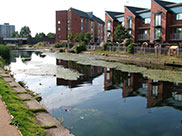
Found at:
<point>114,15</point>
<point>81,13</point>
<point>164,4</point>
<point>88,15</point>
<point>134,10</point>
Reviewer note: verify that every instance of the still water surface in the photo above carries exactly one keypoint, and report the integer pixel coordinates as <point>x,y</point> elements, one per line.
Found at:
<point>102,101</point>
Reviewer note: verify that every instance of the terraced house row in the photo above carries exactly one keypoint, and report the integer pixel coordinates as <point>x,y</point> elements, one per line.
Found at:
<point>75,21</point>
<point>161,23</point>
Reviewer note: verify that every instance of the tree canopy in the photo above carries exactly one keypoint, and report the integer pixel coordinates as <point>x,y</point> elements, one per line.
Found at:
<point>51,35</point>
<point>70,37</point>
<point>121,33</point>
<point>25,32</point>
<point>15,34</point>
<point>87,37</point>
<point>40,35</point>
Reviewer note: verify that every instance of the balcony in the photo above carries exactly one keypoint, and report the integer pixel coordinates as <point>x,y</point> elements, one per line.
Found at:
<point>143,37</point>
<point>176,36</point>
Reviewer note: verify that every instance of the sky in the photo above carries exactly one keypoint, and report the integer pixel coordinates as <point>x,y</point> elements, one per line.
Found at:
<point>39,15</point>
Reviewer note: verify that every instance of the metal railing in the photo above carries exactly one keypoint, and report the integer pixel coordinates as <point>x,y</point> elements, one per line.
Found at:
<point>176,36</point>
<point>143,37</point>
<point>143,50</point>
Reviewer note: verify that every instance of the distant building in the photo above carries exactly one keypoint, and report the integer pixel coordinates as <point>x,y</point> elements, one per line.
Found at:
<point>6,30</point>
<point>76,21</point>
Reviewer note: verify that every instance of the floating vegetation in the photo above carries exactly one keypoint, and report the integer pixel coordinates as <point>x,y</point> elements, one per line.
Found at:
<point>157,74</point>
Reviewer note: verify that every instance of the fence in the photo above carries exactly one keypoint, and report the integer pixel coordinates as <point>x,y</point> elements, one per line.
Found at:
<point>144,50</point>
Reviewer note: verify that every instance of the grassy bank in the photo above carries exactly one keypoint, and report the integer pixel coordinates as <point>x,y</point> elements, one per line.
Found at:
<point>139,58</point>
<point>23,117</point>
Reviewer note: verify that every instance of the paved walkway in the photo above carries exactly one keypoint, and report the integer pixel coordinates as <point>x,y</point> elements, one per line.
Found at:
<point>5,120</point>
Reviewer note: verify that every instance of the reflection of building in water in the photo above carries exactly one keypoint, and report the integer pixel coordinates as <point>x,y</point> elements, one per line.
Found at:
<point>88,73</point>
<point>158,93</point>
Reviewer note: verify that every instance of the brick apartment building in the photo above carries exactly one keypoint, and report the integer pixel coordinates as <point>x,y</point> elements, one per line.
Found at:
<point>75,21</point>
<point>162,23</point>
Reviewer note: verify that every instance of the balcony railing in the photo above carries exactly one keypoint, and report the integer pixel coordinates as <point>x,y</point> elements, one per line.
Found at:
<point>143,37</point>
<point>176,36</point>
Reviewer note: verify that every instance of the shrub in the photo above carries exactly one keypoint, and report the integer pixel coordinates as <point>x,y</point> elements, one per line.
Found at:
<point>4,52</point>
<point>107,44</point>
<point>128,42</point>
<point>80,47</point>
<point>60,44</point>
<point>131,48</point>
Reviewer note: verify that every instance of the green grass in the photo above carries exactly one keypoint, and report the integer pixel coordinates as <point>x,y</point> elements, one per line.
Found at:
<point>24,118</point>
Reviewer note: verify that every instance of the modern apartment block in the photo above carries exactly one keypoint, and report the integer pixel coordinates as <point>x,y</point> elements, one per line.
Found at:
<point>161,23</point>
<point>75,21</point>
<point>6,30</point>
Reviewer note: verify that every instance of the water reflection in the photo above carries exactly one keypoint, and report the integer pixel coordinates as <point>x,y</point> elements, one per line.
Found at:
<point>103,100</point>
<point>157,93</point>
<point>88,73</point>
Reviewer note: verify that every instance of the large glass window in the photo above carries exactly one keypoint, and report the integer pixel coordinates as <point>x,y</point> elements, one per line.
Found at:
<point>108,36</point>
<point>129,22</point>
<point>157,33</point>
<point>108,25</point>
<point>158,19</point>
<point>178,30</point>
<point>81,25</point>
<point>179,16</point>
<point>147,21</point>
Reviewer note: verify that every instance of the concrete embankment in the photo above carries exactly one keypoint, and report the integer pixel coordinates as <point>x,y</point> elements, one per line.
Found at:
<point>46,121</point>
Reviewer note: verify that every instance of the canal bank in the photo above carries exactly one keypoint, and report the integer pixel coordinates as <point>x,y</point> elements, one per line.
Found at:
<point>30,117</point>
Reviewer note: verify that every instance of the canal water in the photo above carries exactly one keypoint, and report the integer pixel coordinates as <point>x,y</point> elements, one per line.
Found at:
<point>101,101</point>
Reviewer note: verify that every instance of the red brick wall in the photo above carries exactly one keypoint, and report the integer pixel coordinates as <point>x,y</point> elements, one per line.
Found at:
<point>128,13</point>
<point>154,8</point>
<point>61,16</point>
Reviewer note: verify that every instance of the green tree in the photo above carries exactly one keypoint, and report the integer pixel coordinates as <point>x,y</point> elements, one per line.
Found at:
<point>77,38</point>
<point>87,37</point>
<point>121,33</point>
<point>25,32</point>
<point>15,34</point>
<point>51,35</point>
<point>81,36</point>
<point>70,37</point>
<point>40,35</point>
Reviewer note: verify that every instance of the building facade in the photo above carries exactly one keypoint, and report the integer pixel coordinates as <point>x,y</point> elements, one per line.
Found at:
<point>6,30</point>
<point>162,23</point>
<point>75,21</point>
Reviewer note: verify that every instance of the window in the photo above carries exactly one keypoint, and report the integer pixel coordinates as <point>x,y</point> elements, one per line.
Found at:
<point>157,33</point>
<point>85,26</point>
<point>68,21</point>
<point>157,19</point>
<point>122,23</point>
<point>178,30</point>
<point>59,29</point>
<point>108,36</point>
<point>68,28</point>
<point>147,21</point>
<point>59,36</point>
<point>130,32</point>
<point>108,25</point>
<point>81,25</point>
<point>59,22</point>
<point>129,22</point>
<point>179,16</point>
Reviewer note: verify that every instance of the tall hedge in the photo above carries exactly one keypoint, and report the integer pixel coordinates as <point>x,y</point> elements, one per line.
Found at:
<point>4,52</point>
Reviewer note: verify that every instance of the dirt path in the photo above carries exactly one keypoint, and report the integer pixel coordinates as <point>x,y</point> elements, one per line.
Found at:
<point>5,128</point>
